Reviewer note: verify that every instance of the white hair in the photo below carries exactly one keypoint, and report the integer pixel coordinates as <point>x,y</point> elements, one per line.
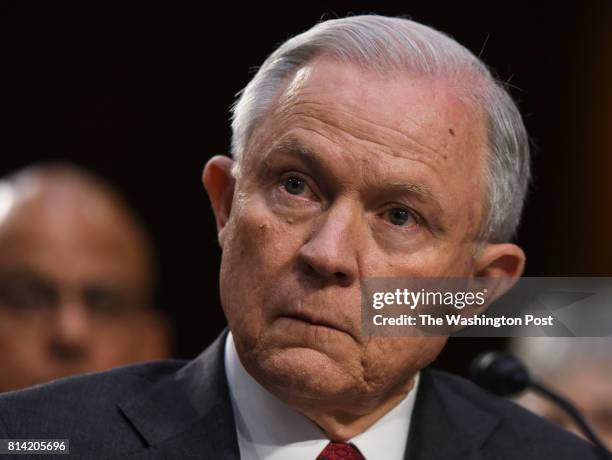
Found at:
<point>550,358</point>
<point>385,44</point>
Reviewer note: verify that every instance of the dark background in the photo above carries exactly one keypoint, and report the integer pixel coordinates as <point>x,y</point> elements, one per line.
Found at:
<point>139,92</point>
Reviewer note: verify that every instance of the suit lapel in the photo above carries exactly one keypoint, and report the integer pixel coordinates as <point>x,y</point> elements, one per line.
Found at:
<point>189,414</point>
<point>446,426</point>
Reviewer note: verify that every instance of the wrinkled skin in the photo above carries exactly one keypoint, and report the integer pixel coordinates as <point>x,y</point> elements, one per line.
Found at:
<point>351,175</point>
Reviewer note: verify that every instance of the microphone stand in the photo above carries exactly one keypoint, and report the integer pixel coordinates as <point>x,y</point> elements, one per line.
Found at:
<point>504,375</point>
<point>572,411</point>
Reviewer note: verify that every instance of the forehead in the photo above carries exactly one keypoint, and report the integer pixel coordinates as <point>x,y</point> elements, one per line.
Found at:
<point>68,235</point>
<point>413,116</point>
<point>407,107</point>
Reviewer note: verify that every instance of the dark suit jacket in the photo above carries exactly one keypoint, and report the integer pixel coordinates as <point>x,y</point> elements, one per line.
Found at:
<point>179,410</point>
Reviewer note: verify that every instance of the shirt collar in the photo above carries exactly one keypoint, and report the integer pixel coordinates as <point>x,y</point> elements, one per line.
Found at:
<point>269,429</point>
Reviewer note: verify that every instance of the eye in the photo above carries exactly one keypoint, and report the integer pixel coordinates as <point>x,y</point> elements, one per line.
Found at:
<point>102,301</point>
<point>294,185</point>
<point>296,191</point>
<point>401,217</point>
<point>26,294</point>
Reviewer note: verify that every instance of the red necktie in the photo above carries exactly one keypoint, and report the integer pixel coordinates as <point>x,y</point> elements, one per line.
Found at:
<point>340,451</point>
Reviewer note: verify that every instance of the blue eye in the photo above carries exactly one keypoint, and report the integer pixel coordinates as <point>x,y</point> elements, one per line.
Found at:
<point>294,185</point>
<point>400,217</point>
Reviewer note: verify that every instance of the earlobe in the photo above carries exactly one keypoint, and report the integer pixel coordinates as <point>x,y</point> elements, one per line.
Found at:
<point>219,184</point>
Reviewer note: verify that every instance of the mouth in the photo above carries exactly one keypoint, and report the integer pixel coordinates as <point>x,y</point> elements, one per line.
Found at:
<point>313,320</point>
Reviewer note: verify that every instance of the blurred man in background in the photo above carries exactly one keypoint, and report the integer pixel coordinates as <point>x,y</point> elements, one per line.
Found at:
<point>579,369</point>
<point>76,279</point>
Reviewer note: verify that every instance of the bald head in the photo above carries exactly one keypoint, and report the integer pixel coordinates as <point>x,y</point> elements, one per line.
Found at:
<point>68,220</point>
<point>76,273</point>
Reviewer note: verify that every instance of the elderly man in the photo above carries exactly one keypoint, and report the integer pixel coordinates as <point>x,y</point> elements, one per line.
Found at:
<point>75,279</point>
<point>364,147</point>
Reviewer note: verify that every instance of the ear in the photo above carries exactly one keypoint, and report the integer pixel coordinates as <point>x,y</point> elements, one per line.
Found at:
<point>219,184</point>
<point>505,261</point>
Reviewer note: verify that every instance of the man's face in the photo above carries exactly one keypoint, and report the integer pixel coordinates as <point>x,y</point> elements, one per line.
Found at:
<point>72,289</point>
<point>351,175</point>
<point>589,388</point>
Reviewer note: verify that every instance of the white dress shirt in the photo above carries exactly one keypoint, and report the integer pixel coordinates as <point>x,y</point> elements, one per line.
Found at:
<point>268,429</point>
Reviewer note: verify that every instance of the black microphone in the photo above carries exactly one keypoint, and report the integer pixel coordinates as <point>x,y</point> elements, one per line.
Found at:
<point>504,375</point>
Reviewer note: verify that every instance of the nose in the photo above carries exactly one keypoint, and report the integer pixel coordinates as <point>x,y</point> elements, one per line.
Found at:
<point>71,332</point>
<point>330,254</point>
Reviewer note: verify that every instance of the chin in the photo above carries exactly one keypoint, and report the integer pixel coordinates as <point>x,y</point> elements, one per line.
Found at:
<point>304,374</point>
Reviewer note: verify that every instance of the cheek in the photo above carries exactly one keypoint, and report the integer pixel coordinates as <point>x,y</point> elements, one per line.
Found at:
<point>431,262</point>
<point>386,358</point>
<point>259,251</point>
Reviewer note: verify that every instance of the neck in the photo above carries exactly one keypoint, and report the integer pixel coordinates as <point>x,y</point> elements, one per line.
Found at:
<point>343,425</point>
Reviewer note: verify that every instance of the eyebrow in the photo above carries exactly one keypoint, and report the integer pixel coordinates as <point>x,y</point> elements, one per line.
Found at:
<point>294,147</point>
